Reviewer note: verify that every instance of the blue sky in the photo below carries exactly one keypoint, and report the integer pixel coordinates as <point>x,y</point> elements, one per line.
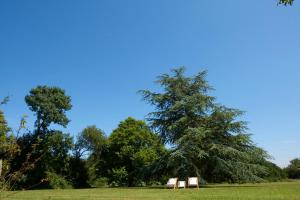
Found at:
<point>103,52</point>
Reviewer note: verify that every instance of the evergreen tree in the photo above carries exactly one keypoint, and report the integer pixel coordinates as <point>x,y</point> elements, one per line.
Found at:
<point>49,105</point>
<point>207,138</point>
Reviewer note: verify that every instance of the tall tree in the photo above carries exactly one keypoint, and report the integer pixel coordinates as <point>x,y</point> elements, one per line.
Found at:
<point>207,138</point>
<point>48,149</point>
<point>184,104</point>
<point>49,105</point>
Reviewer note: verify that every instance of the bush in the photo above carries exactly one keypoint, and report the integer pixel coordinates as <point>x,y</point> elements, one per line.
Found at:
<point>154,183</point>
<point>139,183</point>
<point>57,182</point>
<point>119,177</point>
<point>100,182</point>
<point>3,185</point>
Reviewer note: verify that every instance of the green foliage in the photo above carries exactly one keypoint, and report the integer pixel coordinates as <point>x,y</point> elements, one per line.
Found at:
<point>286,2</point>
<point>3,136</point>
<point>275,173</point>
<point>44,150</point>
<point>100,182</point>
<point>57,182</point>
<point>86,167</point>
<point>42,154</point>
<point>90,141</point>
<point>4,130</point>
<point>8,146</point>
<point>207,138</point>
<point>50,105</point>
<point>293,170</point>
<point>56,147</point>
<point>79,173</point>
<point>119,177</point>
<point>52,153</point>
<point>184,99</point>
<point>132,149</point>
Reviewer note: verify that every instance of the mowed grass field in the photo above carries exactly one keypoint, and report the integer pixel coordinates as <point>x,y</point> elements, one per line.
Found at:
<point>268,191</point>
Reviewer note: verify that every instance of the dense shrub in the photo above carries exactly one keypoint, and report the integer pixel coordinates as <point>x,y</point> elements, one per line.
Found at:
<point>57,182</point>
<point>100,182</point>
<point>119,177</point>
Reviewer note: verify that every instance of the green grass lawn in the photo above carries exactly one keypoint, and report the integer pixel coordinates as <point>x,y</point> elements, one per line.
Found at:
<point>270,191</point>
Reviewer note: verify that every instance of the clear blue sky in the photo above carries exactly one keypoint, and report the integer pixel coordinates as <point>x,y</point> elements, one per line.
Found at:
<point>102,52</point>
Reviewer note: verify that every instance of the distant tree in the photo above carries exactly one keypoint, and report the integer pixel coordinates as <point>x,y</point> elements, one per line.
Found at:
<point>49,105</point>
<point>207,138</point>
<point>90,141</point>
<point>90,144</point>
<point>293,170</point>
<point>132,150</point>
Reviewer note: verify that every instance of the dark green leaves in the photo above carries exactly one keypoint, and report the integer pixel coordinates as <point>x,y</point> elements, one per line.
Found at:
<point>293,170</point>
<point>90,140</point>
<point>4,100</point>
<point>286,2</point>
<point>50,105</point>
<point>183,103</point>
<point>207,137</point>
<point>132,150</point>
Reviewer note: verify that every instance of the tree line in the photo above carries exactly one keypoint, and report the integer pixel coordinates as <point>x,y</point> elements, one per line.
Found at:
<point>188,134</point>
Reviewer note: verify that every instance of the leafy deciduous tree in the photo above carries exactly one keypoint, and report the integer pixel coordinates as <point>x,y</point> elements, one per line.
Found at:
<point>8,146</point>
<point>293,170</point>
<point>87,162</point>
<point>132,150</point>
<point>90,141</point>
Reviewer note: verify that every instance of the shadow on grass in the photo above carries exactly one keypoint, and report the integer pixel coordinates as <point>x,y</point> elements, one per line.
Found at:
<point>230,186</point>
<point>200,187</point>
